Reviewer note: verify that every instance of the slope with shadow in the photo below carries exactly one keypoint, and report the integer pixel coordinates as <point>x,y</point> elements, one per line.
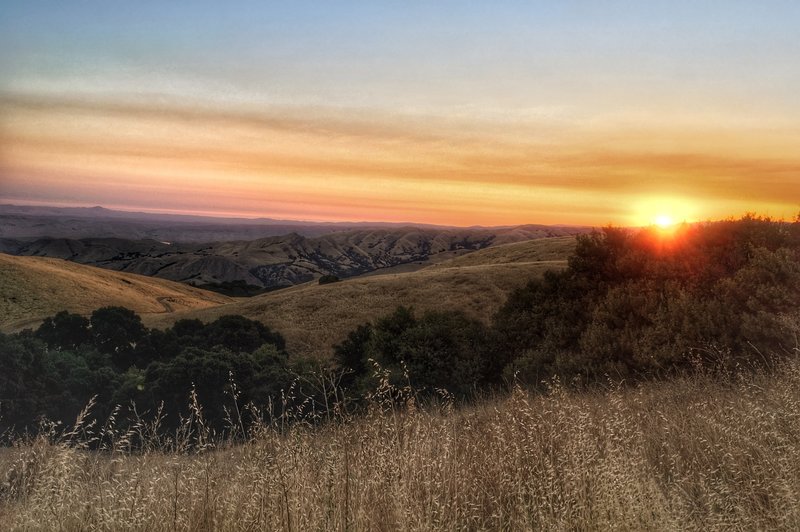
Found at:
<point>314,317</point>
<point>33,288</point>
<point>279,261</point>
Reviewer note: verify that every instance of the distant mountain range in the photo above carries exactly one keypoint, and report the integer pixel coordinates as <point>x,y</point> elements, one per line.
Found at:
<point>24,221</point>
<point>97,222</point>
<point>220,253</point>
<point>277,261</point>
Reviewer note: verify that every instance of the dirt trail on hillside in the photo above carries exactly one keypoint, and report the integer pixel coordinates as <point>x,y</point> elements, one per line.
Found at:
<point>167,307</point>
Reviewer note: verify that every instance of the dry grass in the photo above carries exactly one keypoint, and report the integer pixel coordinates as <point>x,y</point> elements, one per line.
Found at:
<point>541,250</point>
<point>314,317</point>
<point>32,288</point>
<point>700,453</point>
<point>311,317</point>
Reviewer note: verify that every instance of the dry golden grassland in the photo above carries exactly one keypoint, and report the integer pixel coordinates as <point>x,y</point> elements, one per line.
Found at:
<point>696,453</point>
<point>541,250</point>
<point>314,317</point>
<point>33,288</point>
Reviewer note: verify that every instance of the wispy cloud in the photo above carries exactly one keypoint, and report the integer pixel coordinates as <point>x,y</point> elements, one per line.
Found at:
<point>360,163</point>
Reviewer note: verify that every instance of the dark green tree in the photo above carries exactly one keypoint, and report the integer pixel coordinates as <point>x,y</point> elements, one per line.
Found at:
<point>116,331</point>
<point>238,333</point>
<point>64,331</point>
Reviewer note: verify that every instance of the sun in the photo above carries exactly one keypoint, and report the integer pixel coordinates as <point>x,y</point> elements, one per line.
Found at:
<point>663,212</point>
<point>664,221</point>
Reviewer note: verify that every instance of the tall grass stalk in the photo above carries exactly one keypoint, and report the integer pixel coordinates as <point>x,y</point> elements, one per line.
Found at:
<point>695,453</point>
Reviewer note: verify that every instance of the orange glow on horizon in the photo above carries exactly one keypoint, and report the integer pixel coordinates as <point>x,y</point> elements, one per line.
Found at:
<point>333,167</point>
<point>574,113</point>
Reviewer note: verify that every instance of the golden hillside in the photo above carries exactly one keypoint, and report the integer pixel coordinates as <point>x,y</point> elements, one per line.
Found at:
<point>313,317</point>
<point>32,288</point>
<point>544,249</point>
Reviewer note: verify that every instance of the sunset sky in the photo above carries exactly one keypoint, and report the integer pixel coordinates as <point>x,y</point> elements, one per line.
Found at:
<point>462,113</point>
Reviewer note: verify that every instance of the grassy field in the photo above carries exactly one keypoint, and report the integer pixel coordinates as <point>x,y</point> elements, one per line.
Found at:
<point>313,317</point>
<point>711,451</point>
<point>33,288</point>
<point>707,452</point>
<point>543,250</point>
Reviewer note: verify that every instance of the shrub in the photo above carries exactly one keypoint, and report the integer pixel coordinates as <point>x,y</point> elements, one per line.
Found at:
<point>636,304</point>
<point>445,350</point>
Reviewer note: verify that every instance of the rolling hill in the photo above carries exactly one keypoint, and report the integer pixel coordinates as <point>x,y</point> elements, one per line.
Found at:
<point>313,317</point>
<point>545,249</point>
<point>32,288</point>
<point>278,261</point>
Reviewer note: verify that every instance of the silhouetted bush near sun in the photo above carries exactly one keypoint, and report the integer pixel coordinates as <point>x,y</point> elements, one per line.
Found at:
<point>642,303</point>
<point>632,304</point>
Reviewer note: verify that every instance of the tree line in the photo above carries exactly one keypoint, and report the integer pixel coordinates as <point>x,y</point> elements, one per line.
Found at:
<point>52,372</point>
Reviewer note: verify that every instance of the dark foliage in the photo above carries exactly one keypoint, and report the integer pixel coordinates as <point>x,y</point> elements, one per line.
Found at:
<point>641,303</point>
<point>237,288</point>
<point>444,350</point>
<point>53,372</point>
<point>632,304</point>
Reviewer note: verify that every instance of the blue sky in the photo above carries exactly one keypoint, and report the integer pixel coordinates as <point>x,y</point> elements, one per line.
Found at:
<point>411,54</point>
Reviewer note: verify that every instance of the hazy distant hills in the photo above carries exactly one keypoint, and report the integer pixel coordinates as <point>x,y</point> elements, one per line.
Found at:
<point>271,262</point>
<point>22,221</point>
<point>97,222</point>
<point>430,268</point>
<point>34,288</point>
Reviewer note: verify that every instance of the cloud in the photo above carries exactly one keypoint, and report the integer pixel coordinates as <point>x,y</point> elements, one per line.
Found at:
<point>335,160</point>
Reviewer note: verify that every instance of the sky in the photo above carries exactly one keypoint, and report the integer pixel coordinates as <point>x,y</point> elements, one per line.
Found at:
<point>461,113</point>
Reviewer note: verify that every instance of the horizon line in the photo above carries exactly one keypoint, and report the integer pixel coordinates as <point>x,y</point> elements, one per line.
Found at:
<point>124,209</point>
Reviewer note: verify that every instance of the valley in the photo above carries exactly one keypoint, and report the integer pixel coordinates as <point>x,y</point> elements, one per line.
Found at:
<point>311,316</point>
<point>278,261</point>
<point>314,317</point>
